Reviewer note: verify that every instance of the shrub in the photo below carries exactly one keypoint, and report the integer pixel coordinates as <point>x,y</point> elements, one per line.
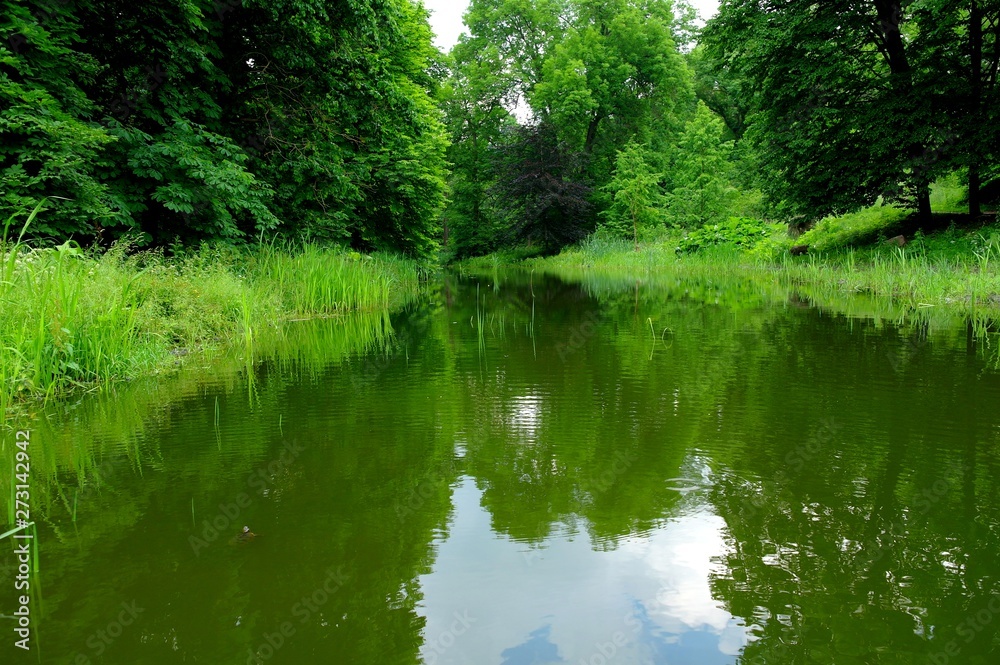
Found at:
<point>743,232</point>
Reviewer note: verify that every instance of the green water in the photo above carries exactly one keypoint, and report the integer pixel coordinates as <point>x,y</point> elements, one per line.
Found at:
<point>533,472</point>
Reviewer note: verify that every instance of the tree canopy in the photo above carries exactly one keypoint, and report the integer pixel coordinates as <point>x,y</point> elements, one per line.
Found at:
<point>339,121</point>
<point>194,119</point>
<point>851,101</point>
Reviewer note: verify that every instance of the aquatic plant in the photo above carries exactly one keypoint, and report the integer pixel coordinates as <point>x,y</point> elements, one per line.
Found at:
<point>72,317</point>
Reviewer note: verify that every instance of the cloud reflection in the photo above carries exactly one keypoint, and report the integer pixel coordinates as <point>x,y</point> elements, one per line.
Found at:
<point>646,601</point>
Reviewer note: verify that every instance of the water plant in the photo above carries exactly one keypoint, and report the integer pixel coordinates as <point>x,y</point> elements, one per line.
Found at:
<point>73,317</point>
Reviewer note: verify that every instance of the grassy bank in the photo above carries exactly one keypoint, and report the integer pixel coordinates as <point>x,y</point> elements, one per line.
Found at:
<point>955,270</point>
<point>73,318</point>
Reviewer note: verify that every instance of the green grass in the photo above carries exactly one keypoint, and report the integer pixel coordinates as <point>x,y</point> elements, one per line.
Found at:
<point>953,274</point>
<point>72,318</point>
<point>949,195</point>
<point>864,226</point>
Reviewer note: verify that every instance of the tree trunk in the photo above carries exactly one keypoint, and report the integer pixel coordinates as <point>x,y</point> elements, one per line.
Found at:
<point>976,76</point>
<point>592,133</point>
<point>975,183</point>
<point>924,202</point>
<point>890,13</point>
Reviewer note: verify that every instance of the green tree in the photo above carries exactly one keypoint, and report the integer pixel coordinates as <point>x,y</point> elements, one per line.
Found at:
<point>614,77</point>
<point>835,112</point>
<point>475,100</point>
<point>597,74</point>
<point>196,119</point>
<point>637,200</point>
<point>48,146</point>
<point>719,89</point>
<point>702,191</point>
<point>959,43</point>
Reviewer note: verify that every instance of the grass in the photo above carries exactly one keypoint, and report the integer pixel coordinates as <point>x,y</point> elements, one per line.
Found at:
<point>953,273</point>
<point>862,227</point>
<point>949,195</point>
<point>72,318</point>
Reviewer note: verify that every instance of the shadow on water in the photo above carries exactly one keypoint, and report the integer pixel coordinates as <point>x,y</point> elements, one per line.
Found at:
<point>523,470</point>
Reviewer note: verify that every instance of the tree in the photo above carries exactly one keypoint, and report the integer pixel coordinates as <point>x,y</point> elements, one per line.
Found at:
<point>836,116</point>
<point>196,119</point>
<point>635,190</point>
<point>959,44</point>
<point>522,34</point>
<point>702,192</point>
<point>475,100</point>
<point>616,76</point>
<point>719,90</point>
<point>48,148</point>
<point>594,75</point>
<point>546,205</point>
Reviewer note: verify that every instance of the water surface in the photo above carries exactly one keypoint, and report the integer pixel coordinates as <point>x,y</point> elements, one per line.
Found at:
<point>526,472</point>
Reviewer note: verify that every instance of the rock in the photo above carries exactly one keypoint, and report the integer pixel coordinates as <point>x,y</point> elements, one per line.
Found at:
<point>898,241</point>
<point>799,250</point>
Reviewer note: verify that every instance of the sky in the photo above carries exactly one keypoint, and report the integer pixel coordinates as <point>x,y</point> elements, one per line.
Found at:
<point>446,18</point>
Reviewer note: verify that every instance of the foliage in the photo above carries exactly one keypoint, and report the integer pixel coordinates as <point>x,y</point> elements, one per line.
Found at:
<point>637,201</point>
<point>825,118</point>
<point>957,272</point>
<point>851,102</point>
<point>597,75</point>
<point>48,146</point>
<point>474,100</point>
<point>701,192</point>
<point>71,317</point>
<point>949,194</point>
<point>720,90</point>
<point>546,205</point>
<point>194,119</point>
<point>863,226</point>
<point>742,232</point>
<point>959,46</point>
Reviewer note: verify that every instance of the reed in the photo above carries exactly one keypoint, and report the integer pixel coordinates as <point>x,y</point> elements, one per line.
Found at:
<point>74,318</point>
<point>954,272</point>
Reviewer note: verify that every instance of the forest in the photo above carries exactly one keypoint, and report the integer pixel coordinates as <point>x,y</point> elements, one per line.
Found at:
<point>176,122</point>
<point>610,334</point>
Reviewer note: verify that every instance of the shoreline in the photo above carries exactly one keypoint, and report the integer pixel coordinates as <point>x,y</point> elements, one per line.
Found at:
<point>76,320</point>
<point>950,274</point>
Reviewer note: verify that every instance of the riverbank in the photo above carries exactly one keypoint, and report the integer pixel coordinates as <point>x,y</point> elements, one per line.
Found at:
<point>955,270</point>
<point>73,318</point>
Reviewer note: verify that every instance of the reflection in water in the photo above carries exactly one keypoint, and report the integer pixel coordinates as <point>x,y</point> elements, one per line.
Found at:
<point>555,484</point>
<point>647,600</point>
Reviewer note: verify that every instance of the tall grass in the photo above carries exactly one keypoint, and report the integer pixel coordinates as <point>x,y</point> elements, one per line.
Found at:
<point>857,228</point>
<point>313,281</point>
<point>73,318</point>
<point>954,274</point>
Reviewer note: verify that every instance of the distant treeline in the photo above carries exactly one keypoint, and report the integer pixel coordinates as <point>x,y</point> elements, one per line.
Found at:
<point>640,118</point>
<point>337,120</point>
